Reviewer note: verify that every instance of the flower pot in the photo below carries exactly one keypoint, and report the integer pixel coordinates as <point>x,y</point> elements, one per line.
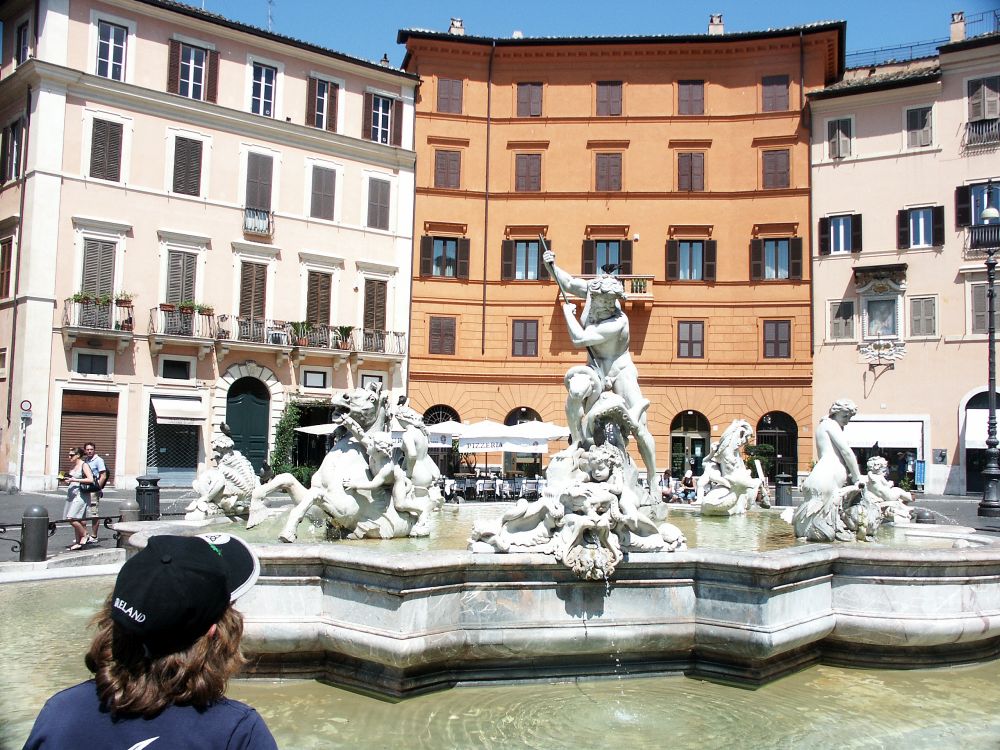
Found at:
<point>168,307</point>
<point>123,303</point>
<point>302,341</point>
<point>186,310</point>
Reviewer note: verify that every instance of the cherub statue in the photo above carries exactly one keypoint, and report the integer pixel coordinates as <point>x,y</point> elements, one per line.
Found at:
<point>891,500</point>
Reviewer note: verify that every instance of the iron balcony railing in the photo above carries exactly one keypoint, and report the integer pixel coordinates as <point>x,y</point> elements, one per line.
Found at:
<point>101,316</point>
<point>981,133</point>
<point>358,340</point>
<point>984,237</point>
<point>383,342</point>
<point>258,222</point>
<point>253,330</point>
<point>177,322</point>
<point>634,285</point>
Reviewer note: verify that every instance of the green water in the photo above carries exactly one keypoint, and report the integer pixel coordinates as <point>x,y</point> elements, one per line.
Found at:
<point>45,634</point>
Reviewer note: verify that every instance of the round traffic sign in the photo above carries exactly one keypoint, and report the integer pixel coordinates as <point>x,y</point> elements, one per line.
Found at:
<point>25,405</point>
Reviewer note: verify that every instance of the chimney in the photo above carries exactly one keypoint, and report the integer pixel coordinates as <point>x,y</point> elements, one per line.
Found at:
<point>957,26</point>
<point>456,27</point>
<point>384,62</point>
<point>715,26</point>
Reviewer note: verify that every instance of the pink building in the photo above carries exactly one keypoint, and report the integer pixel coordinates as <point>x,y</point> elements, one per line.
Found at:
<point>192,213</point>
<point>903,156</point>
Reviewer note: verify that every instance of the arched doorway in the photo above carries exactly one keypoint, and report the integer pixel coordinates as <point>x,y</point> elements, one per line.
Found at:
<point>781,432</point>
<point>446,458</point>
<point>247,406</point>
<point>976,417</point>
<point>689,441</point>
<point>522,464</point>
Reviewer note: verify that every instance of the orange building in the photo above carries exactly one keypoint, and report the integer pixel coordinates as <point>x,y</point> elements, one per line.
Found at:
<point>682,159</point>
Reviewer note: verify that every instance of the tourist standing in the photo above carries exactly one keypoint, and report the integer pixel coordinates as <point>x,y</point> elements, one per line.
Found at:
<point>76,506</point>
<point>167,643</point>
<point>667,487</point>
<point>100,472</point>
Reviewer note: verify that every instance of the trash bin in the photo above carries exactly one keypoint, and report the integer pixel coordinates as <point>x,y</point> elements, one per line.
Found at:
<point>147,494</point>
<point>783,491</point>
<point>34,534</point>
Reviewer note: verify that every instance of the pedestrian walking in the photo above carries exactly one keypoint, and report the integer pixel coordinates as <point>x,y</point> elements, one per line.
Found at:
<point>75,508</point>
<point>167,643</point>
<point>95,492</point>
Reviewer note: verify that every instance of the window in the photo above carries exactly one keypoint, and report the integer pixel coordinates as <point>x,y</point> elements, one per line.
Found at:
<point>441,336</point>
<point>182,269</point>
<point>521,260</point>
<point>922,316</point>
<point>609,98</point>
<point>777,339</point>
<point>314,378</point>
<point>3,364</point>
<point>840,234</point>
<point>980,310</point>
<point>449,96</point>
<point>253,290</point>
<point>447,169</point>
<point>375,301</point>
<point>98,267</point>
<point>383,119</point>
<point>106,150</point>
<point>529,100</point>
<point>193,71</point>
<point>321,104</point>
<point>446,257</point>
<point>111,39</point>
<point>21,44</point>
<point>970,200</point>
<point>838,137</point>
<point>324,189</point>
<point>842,320</point>
<point>774,93</point>
<point>691,171</point>
<point>776,258</point>
<point>318,286</point>
<point>920,227</point>
<point>984,98</point>
<point>609,172</point>
<point>524,338</point>
<point>262,93</point>
<point>10,152</point>
<point>175,369</point>
<point>192,74</point>
<point>616,255</point>
<point>775,164</point>
<point>691,260</point>
<point>91,364</point>
<point>259,170</point>
<point>691,339</point>
<point>527,173</point>
<point>690,97</point>
<point>187,166</point>
<point>918,127</point>
<point>6,260</point>
<point>378,203</point>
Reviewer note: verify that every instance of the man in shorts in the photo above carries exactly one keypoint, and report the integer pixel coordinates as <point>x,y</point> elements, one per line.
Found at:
<point>100,472</point>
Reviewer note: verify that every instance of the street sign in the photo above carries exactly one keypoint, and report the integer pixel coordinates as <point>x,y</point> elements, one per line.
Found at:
<point>25,415</point>
<point>25,405</point>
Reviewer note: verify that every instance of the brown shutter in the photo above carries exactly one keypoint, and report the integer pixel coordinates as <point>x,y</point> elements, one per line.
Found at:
<point>672,260</point>
<point>311,102</point>
<point>543,271</point>
<point>625,257</point>
<point>589,266</point>
<point>98,267</point>
<point>523,100</point>
<point>615,99</point>
<point>991,97</point>
<point>697,171</point>
<point>6,260</point>
<point>378,204</point>
<point>902,229</point>
<point>253,280</point>
<point>187,166</point>
<point>181,270</point>
<point>757,259</point>
<point>448,336</point>
<point>324,183</point>
<point>824,235</point>
<point>856,233</point>
<point>963,206</point>
<point>520,172</point>
<point>105,150</point>
<point>318,298</point>
<point>454,165</point>
<point>698,98</point>
<point>259,169</point>
<point>603,98</point>
<point>434,336</point>
<point>332,96</point>
<point>426,264</point>
<point>711,251</point>
<point>397,122</point>
<point>614,171</point>
<point>440,169</point>
<point>366,116</point>
<point>375,296</point>
<point>174,67</point>
<point>536,99</point>
<point>212,85</point>
<point>937,226</point>
<point>795,258</point>
<point>507,259</point>
<point>462,271</point>
<point>684,171</point>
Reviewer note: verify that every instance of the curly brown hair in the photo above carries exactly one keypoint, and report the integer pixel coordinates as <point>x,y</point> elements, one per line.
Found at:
<point>131,682</point>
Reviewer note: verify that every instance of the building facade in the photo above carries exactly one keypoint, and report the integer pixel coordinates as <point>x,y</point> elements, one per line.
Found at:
<point>903,157</point>
<point>682,160</point>
<point>200,221</point>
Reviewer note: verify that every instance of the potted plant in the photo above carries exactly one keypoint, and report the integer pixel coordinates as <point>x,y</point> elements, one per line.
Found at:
<point>168,307</point>
<point>204,309</point>
<point>123,299</point>
<point>82,297</point>
<point>187,306</point>
<point>102,299</point>
<point>344,336</point>
<point>300,331</point>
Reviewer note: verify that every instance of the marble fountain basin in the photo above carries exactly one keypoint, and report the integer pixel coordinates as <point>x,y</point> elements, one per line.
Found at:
<point>401,623</point>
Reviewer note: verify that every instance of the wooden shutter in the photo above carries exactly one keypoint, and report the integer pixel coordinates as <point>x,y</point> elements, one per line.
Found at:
<point>684,171</point>
<point>212,84</point>
<point>979,308</point>
<point>366,116</point>
<point>672,263</point>
<point>397,122</point>
<point>963,206</point>
<point>318,286</point>
<point>106,150</point>
<point>922,316</point>
<point>507,259</point>
<point>625,258</point>
<point>856,233</point>
<point>698,98</point>
<point>462,271</point>
<point>253,283</point>
<point>534,172</point>
<point>441,337</point>
<point>902,229</point>
<point>181,273</point>
<point>375,296</point>
<point>918,127</point>
<point>6,261</point>
<point>98,267</point>
<point>757,259</point>
<point>795,258</point>
<point>589,266</point>
<point>332,98</point>
<point>991,97</point>
<point>311,88</point>
<point>603,103</point>
<point>543,271</point>
<point>697,171</point>
<point>615,99</point>
<point>426,256</point>
<point>776,169</point>
<point>711,252</point>
<point>937,226</point>
<point>447,169</point>
<point>378,204</point>
<point>528,172</point>
<point>259,169</point>
<point>324,184</point>
<point>187,166</point>
<point>174,67</point>
<point>454,167</point>
<point>824,235</point>
<point>535,92</point>
<point>775,93</point>
<point>523,100</point>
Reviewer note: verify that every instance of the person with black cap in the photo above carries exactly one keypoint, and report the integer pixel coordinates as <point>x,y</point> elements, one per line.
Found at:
<point>168,640</point>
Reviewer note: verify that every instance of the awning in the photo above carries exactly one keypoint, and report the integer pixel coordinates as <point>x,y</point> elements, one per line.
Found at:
<point>178,410</point>
<point>888,434</point>
<point>975,427</point>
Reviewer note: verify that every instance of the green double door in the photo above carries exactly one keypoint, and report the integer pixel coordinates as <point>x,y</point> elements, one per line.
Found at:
<point>247,407</point>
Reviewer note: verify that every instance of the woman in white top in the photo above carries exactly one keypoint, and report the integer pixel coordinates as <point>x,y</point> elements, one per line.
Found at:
<point>76,507</point>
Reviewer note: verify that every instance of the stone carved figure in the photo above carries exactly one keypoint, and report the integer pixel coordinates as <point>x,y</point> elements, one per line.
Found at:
<point>226,489</point>
<point>359,486</point>
<point>726,487</point>
<point>589,512</point>
<point>890,500</point>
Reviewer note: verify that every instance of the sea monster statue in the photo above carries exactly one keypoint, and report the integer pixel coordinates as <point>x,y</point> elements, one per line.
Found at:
<point>226,489</point>
<point>726,487</point>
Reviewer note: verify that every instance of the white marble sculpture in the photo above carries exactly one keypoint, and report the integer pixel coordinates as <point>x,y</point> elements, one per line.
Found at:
<point>726,487</point>
<point>228,488</point>
<point>589,513</point>
<point>361,486</point>
<point>892,501</point>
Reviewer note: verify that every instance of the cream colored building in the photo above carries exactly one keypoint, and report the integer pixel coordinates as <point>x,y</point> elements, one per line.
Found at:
<point>155,155</point>
<point>902,157</point>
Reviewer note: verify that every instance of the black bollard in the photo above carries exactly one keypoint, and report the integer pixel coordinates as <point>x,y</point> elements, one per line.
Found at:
<point>147,495</point>
<point>783,493</point>
<point>34,534</point>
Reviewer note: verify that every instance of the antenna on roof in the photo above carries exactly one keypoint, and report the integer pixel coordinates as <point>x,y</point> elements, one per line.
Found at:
<point>270,14</point>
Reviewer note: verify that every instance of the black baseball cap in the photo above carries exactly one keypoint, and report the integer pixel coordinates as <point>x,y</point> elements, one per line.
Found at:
<point>171,592</point>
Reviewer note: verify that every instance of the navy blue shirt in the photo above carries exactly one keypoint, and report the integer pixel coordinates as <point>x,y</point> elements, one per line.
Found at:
<point>74,718</point>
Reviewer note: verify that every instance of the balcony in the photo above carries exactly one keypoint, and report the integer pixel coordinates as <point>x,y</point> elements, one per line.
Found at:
<point>258,222</point>
<point>252,334</point>
<point>638,289</point>
<point>980,238</point>
<point>981,133</point>
<point>169,324</point>
<point>86,318</point>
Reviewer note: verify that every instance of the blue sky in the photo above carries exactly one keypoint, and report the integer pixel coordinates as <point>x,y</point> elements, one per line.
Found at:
<point>368,29</point>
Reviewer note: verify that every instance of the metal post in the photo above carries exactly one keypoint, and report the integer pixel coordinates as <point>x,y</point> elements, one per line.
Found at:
<point>990,505</point>
<point>34,534</point>
<point>20,468</point>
